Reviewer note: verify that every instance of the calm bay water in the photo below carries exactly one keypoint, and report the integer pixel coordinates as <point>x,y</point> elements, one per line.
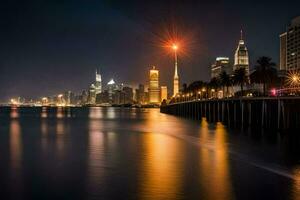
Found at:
<point>114,153</point>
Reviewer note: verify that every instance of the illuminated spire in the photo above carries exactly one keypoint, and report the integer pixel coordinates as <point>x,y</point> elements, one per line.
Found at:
<point>176,66</point>
<point>176,73</point>
<point>241,34</point>
<point>98,75</point>
<point>176,77</point>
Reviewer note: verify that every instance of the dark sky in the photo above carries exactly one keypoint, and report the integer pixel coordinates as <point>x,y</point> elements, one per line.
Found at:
<point>47,47</point>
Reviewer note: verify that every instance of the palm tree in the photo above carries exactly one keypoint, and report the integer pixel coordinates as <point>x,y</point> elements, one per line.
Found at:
<point>240,78</point>
<point>265,72</point>
<point>184,87</point>
<point>225,81</point>
<point>214,84</point>
<point>195,86</point>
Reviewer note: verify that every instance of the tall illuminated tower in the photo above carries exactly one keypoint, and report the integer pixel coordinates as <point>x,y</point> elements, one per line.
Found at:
<point>154,91</point>
<point>176,77</point>
<point>241,57</point>
<point>98,83</point>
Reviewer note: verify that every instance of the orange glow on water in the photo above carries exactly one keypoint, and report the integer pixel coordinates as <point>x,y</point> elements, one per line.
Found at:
<point>164,160</point>
<point>60,113</point>
<point>14,112</point>
<point>214,161</point>
<point>15,144</point>
<point>96,140</point>
<point>296,184</point>
<point>44,113</point>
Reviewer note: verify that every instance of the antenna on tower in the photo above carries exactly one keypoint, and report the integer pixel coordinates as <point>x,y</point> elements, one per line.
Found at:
<point>241,34</point>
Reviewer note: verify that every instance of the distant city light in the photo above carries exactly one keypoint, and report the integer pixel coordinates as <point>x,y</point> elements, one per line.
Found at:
<point>13,101</point>
<point>111,82</point>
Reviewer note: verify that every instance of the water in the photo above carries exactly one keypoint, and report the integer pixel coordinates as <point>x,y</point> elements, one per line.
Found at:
<point>114,153</point>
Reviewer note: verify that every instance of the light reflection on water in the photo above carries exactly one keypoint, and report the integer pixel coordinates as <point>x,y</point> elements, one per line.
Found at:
<point>162,170</point>
<point>15,145</point>
<point>215,163</point>
<point>16,159</point>
<point>44,113</point>
<point>296,184</point>
<point>14,112</point>
<point>95,113</point>
<point>95,154</point>
<point>152,156</point>
<point>60,112</point>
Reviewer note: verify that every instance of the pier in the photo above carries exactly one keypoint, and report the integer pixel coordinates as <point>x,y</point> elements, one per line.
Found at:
<point>260,112</point>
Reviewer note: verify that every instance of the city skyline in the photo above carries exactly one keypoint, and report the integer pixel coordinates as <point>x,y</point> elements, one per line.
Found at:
<point>172,99</point>
<point>31,65</point>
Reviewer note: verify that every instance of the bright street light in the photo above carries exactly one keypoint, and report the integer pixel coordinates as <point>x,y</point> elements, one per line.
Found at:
<point>174,47</point>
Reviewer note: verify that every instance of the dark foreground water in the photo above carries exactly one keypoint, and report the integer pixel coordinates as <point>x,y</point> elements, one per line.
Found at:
<point>113,153</point>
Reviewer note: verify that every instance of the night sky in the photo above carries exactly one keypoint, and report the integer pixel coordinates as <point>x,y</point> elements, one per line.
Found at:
<point>47,47</point>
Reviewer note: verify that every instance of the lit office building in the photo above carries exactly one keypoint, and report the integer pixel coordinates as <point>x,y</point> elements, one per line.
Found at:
<point>140,94</point>
<point>111,88</point>
<point>92,95</point>
<point>69,98</point>
<point>103,97</point>
<point>221,64</point>
<point>241,57</point>
<point>83,97</point>
<point>154,96</point>
<point>128,95</point>
<point>290,46</point>
<point>98,83</point>
<point>283,51</point>
<point>124,96</point>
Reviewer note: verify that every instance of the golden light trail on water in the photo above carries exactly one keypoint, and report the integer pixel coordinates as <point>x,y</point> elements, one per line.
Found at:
<point>162,170</point>
<point>215,163</point>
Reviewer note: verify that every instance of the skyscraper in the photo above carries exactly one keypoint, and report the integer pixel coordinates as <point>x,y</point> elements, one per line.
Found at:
<point>84,97</point>
<point>98,83</point>
<point>111,88</point>
<point>283,45</point>
<point>221,64</point>
<point>154,96</point>
<point>140,94</point>
<point>92,95</point>
<point>290,46</point>
<point>241,57</point>
<point>69,97</point>
<point>128,94</point>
